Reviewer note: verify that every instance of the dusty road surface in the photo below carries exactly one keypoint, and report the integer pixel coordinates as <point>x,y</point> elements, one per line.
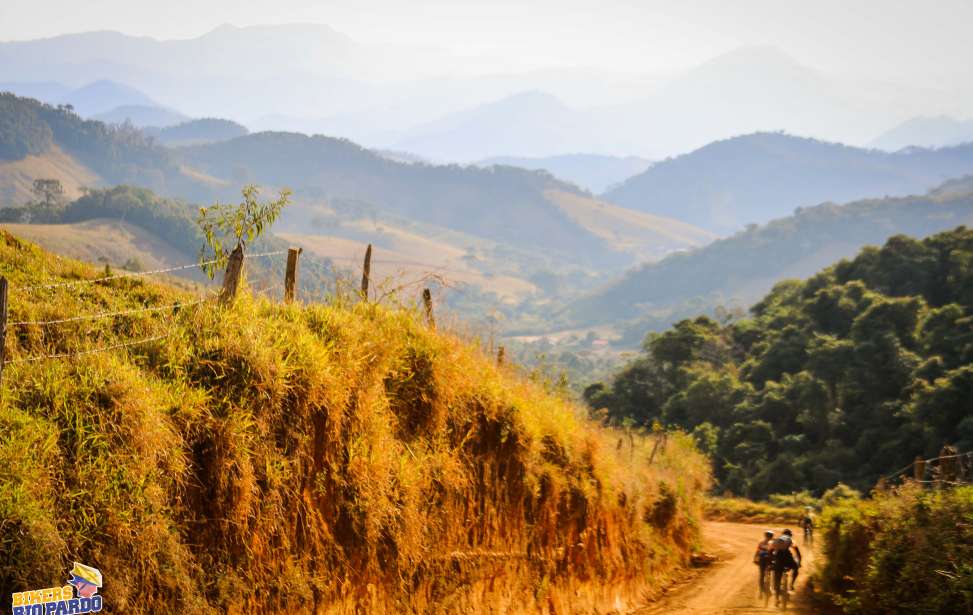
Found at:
<point>730,585</point>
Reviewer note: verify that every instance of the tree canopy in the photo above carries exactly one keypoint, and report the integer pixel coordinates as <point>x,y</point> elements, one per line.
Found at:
<point>846,376</point>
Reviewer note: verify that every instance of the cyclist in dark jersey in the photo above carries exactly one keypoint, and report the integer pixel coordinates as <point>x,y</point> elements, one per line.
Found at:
<point>784,560</point>
<point>762,557</point>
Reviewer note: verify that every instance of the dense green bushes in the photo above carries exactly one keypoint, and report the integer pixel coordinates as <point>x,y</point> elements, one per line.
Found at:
<point>843,377</point>
<point>905,552</point>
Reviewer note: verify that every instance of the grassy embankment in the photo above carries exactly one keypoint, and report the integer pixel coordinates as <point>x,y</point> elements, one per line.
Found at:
<point>742,510</point>
<point>312,458</point>
<point>906,551</point>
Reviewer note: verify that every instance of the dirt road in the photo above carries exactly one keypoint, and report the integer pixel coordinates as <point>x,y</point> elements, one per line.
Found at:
<point>730,585</point>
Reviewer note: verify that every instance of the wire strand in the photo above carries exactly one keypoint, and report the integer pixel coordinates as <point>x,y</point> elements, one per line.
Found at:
<point>119,276</point>
<point>135,274</point>
<point>259,254</point>
<point>79,353</point>
<point>159,308</point>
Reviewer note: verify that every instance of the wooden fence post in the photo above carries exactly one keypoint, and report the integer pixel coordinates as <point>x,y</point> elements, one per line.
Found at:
<point>366,272</point>
<point>3,325</point>
<point>919,468</point>
<point>427,302</point>
<point>231,279</point>
<point>290,276</point>
<point>655,447</point>
<point>948,465</point>
<point>501,355</point>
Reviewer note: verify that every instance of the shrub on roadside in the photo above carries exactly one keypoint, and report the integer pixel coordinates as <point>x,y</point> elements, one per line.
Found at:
<point>906,551</point>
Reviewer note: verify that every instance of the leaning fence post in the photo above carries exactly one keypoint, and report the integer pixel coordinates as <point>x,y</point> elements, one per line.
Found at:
<point>427,302</point>
<point>290,276</point>
<point>366,272</point>
<point>3,324</point>
<point>231,279</point>
<point>501,355</point>
<point>919,468</point>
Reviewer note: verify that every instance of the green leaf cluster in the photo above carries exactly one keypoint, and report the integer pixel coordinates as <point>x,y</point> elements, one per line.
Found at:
<point>226,227</point>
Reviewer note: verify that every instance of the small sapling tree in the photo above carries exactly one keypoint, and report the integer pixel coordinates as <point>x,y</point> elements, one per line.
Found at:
<point>235,225</point>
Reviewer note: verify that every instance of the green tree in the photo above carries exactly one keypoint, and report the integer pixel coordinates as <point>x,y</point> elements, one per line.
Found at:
<point>49,192</point>
<point>236,225</point>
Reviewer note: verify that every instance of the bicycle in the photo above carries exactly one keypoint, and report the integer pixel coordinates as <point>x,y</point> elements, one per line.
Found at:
<point>808,535</point>
<point>765,589</point>
<point>782,587</point>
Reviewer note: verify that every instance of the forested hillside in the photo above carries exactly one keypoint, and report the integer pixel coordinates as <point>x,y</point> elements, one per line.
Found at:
<point>524,209</point>
<point>118,154</point>
<point>194,132</point>
<point>752,179</point>
<point>736,271</point>
<point>593,172</point>
<point>846,376</point>
<point>521,210</point>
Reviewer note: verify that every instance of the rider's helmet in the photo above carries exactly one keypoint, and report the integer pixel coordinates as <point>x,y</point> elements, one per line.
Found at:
<point>808,508</point>
<point>788,532</point>
<point>769,534</point>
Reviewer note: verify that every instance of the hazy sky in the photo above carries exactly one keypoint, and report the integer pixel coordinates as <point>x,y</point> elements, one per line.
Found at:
<point>924,42</point>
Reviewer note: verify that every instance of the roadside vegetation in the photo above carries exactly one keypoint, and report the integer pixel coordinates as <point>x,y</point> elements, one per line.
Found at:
<point>270,457</point>
<point>784,509</point>
<point>904,551</point>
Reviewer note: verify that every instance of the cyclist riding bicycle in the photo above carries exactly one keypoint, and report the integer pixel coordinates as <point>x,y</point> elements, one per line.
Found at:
<point>807,524</point>
<point>784,560</point>
<point>762,557</point>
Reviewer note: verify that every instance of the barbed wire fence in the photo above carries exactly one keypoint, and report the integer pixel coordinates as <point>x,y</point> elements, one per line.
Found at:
<point>34,290</point>
<point>949,469</point>
<point>230,285</point>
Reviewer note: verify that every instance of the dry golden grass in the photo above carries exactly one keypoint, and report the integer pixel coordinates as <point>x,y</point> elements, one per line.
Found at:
<point>111,240</point>
<point>19,175</point>
<point>336,458</point>
<point>409,256</point>
<point>646,236</point>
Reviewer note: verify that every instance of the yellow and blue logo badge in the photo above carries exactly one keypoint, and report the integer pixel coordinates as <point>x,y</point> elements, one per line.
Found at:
<point>85,581</point>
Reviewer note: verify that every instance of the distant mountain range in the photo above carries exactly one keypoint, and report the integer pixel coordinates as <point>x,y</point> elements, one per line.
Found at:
<point>108,101</point>
<point>752,179</point>
<point>589,171</point>
<point>724,97</point>
<point>394,97</point>
<point>510,230</point>
<point>142,116</point>
<point>529,209</point>
<point>940,131</point>
<point>736,271</point>
<point>196,132</point>
<point>104,96</point>
<point>527,124</point>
